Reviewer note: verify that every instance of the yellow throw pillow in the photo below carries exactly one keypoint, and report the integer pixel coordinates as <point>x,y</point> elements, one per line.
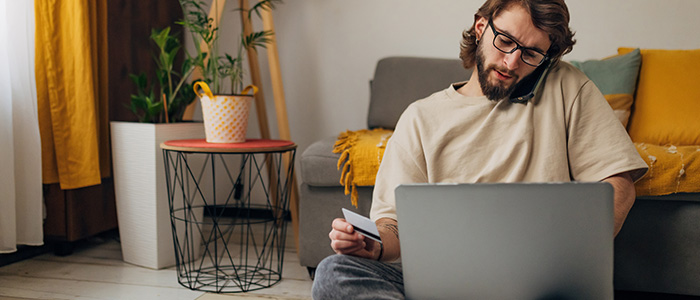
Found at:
<point>621,105</point>
<point>667,104</point>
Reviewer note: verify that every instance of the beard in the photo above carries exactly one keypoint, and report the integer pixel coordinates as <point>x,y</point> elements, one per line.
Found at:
<point>494,92</point>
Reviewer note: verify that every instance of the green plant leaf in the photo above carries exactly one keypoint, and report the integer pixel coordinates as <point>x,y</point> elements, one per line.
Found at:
<point>216,68</point>
<point>162,78</point>
<point>167,60</point>
<point>139,102</point>
<point>257,39</point>
<point>262,5</point>
<point>160,37</point>
<point>186,66</point>
<point>172,54</point>
<point>140,81</point>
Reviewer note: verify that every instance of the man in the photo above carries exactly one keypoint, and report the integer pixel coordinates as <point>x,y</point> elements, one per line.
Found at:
<point>471,132</point>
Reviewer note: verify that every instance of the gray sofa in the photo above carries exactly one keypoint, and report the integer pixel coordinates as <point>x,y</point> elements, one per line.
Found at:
<point>658,249</point>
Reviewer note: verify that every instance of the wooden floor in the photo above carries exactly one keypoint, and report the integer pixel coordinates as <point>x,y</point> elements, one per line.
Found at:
<point>96,271</point>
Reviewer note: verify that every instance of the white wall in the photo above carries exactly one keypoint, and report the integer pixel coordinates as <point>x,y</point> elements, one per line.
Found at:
<point>328,48</point>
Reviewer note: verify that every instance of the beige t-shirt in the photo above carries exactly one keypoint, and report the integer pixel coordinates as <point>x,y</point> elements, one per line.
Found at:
<point>567,132</point>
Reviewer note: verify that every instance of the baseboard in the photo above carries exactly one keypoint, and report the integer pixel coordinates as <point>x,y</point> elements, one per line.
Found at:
<point>23,252</point>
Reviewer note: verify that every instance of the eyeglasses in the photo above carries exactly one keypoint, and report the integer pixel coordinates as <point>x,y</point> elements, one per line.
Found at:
<point>507,45</point>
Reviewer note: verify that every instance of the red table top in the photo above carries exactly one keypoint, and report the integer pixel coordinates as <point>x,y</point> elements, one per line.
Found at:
<point>250,145</point>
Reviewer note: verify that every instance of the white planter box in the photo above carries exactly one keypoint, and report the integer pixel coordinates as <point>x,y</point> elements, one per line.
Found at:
<point>141,193</point>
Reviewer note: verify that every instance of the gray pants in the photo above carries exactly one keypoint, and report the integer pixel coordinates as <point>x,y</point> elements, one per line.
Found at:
<point>350,277</point>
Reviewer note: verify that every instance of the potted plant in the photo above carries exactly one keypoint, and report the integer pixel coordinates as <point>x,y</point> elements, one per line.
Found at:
<point>174,92</point>
<point>139,178</point>
<point>226,105</point>
<point>222,72</point>
<point>140,186</point>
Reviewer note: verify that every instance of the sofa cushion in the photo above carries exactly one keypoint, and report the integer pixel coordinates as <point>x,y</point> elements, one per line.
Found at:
<point>399,81</point>
<point>616,78</point>
<point>319,165</point>
<point>667,103</point>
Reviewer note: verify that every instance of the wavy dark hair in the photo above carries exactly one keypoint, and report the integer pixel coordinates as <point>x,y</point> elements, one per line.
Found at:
<point>550,16</point>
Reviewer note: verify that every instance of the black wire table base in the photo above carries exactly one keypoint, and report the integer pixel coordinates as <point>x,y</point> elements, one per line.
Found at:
<point>228,252</point>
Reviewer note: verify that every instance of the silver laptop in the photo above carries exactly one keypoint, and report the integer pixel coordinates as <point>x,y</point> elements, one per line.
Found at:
<point>506,241</point>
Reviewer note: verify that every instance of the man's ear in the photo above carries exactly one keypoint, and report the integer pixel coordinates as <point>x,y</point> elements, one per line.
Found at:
<point>480,24</point>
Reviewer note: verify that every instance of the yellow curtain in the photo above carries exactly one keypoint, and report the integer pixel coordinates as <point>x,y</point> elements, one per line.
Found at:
<point>71,77</point>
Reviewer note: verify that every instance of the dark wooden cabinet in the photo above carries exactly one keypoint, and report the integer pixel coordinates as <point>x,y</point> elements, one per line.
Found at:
<point>75,214</point>
<point>130,48</point>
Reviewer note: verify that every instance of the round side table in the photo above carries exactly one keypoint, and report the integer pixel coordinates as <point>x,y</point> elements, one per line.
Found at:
<point>224,242</point>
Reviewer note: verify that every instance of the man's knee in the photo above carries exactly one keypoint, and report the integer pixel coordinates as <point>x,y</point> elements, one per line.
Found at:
<point>339,276</point>
<point>328,273</point>
<point>339,265</point>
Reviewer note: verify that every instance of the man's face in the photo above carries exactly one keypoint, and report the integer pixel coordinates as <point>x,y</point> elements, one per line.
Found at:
<point>496,90</point>
<point>498,72</point>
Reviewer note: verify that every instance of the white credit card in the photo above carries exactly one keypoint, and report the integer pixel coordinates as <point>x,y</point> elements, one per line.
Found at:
<point>362,224</point>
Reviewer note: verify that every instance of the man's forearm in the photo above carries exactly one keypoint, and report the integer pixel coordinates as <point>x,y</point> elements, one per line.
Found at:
<point>624,197</point>
<point>389,232</point>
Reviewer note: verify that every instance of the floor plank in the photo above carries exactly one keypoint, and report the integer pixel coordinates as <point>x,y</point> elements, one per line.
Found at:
<point>245,297</point>
<point>96,271</point>
<point>50,288</point>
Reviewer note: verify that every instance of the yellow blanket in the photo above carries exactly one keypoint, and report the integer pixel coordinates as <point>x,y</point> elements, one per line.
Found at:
<point>362,152</point>
<point>672,169</point>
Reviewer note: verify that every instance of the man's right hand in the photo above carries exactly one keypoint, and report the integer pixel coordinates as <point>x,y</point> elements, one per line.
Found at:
<point>345,240</point>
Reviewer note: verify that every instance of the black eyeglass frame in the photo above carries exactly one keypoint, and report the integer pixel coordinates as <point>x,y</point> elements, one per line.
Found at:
<point>496,33</point>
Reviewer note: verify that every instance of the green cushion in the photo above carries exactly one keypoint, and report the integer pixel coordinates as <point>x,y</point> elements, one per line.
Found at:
<point>614,75</point>
<point>616,78</point>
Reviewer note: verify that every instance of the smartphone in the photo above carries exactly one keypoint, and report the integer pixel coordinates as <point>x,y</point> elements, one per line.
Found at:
<point>527,87</point>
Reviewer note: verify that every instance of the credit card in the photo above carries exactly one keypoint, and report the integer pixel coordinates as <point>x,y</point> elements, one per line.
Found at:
<point>362,224</point>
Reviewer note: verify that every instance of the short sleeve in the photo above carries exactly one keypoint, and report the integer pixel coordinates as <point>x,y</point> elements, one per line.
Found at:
<point>403,162</point>
<point>598,144</point>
